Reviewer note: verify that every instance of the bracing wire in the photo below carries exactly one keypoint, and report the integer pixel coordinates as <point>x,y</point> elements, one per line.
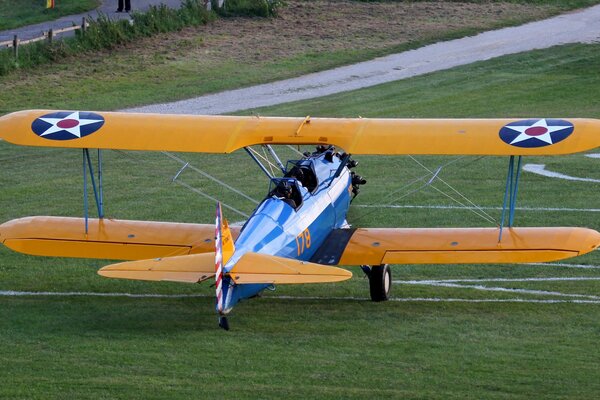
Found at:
<point>475,210</point>
<point>431,176</point>
<point>195,190</point>
<point>266,157</point>
<point>480,211</point>
<point>200,192</point>
<point>295,149</point>
<point>263,158</point>
<point>212,178</point>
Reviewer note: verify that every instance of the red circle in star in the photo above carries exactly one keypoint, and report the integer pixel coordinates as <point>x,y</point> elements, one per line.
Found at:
<point>536,130</point>
<point>67,123</point>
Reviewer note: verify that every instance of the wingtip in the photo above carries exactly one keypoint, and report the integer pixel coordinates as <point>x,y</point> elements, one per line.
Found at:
<point>590,242</point>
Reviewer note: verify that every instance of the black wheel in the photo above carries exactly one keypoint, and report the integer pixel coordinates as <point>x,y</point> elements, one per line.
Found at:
<point>380,282</point>
<point>223,323</point>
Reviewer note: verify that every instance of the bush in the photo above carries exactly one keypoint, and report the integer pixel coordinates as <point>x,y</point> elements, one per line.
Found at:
<point>258,8</point>
<point>103,33</point>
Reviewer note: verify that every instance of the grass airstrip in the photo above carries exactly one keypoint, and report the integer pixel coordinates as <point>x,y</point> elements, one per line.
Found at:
<point>532,337</point>
<point>517,339</point>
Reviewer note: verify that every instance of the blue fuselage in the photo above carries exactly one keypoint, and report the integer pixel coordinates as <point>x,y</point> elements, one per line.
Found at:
<point>276,228</point>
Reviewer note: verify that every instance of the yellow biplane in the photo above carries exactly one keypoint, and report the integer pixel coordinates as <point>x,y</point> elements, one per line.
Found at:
<point>299,232</point>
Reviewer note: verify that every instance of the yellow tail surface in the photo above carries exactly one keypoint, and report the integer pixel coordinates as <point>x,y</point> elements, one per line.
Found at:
<point>251,268</point>
<point>227,246</point>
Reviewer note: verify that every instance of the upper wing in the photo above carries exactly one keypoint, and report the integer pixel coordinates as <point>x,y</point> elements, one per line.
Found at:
<point>454,246</point>
<point>107,238</point>
<point>223,134</point>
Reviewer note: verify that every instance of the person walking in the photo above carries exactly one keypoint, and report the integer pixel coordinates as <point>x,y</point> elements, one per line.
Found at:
<point>127,6</point>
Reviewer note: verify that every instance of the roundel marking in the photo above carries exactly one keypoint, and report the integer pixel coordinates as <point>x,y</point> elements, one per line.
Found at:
<point>67,125</point>
<point>536,132</point>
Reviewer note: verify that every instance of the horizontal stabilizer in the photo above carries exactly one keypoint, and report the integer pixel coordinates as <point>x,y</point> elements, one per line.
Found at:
<point>107,238</point>
<point>191,269</point>
<point>263,268</point>
<point>251,268</point>
<point>225,134</point>
<point>374,246</point>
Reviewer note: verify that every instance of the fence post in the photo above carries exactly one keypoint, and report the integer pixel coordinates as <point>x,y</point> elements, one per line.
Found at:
<point>83,26</point>
<point>50,35</point>
<point>16,47</point>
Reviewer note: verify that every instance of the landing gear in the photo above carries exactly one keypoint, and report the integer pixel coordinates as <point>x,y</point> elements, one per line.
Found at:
<point>380,281</point>
<point>223,323</point>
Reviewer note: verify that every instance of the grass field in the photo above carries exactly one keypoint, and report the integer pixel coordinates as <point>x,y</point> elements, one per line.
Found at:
<point>16,13</point>
<point>308,36</point>
<point>322,341</point>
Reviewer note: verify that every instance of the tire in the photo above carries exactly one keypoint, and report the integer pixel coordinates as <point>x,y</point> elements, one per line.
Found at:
<point>380,282</point>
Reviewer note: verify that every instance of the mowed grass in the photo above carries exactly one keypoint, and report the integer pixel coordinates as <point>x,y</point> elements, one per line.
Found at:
<point>332,342</point>
<point>229,53</point>
<point>16,13</point>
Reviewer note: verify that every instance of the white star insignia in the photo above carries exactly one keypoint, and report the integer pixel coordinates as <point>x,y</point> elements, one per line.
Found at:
<point>545,137</point>
<point>74,130</point>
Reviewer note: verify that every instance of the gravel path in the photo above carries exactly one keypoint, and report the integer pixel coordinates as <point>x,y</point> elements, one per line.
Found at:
<point>107,7</point>
<point>577,27</point>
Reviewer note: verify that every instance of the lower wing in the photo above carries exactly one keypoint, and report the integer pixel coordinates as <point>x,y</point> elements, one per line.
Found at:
<point>107,238</point>
<point>454,246</point>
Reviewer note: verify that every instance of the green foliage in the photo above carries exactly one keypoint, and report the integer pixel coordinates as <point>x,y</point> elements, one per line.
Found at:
<point>251,8</point>
<point>564,4</point>
<point>16,13</point>
<point>104,33</point>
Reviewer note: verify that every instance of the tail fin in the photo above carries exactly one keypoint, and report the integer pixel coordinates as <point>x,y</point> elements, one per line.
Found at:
<point>227,246</point>
<point>224,249</point>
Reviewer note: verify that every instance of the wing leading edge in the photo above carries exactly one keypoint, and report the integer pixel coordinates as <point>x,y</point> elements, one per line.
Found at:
<point>454,246</point>
<point>225,134</point>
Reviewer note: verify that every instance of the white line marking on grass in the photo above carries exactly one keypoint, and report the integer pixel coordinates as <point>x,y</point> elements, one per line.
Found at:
<point>441,300</point>
<point>517,300</point>
<point>593,155</point>
<point>13,293</point>
<point>451,284</point>
<point>433,207</point>
<point>94,294</point>
<point>549,279</point>
<point>583,266</point>
<point>540,169</point>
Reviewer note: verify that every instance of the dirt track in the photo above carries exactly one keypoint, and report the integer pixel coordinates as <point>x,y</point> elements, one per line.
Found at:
<point>581,26</point>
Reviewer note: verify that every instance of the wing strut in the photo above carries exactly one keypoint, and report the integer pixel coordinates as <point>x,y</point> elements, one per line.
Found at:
<point>277,160</point>
<point>510,194</point>
<point>257,161</point>
<point>98,191</point>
